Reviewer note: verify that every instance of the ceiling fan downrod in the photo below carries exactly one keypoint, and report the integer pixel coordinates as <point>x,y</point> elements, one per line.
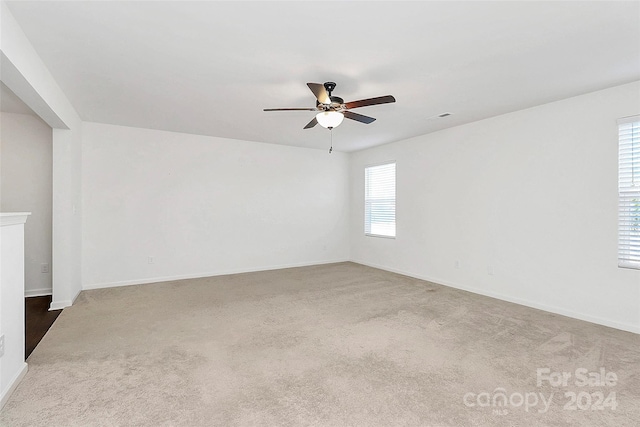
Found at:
<point>329,87</point>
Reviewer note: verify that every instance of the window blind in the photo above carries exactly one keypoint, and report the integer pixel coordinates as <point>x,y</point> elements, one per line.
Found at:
<point>629,192</point>
<point>380,200</point>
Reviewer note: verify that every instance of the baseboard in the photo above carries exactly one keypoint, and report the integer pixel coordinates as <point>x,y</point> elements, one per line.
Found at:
<point>37,292</point>
<point>6,394</point>
<point>59,305</point>
<point>200,275</point>
<point>533,304</point>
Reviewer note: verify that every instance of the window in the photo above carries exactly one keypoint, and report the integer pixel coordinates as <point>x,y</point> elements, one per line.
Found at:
<point>629,192</point>
<point>380,200</point>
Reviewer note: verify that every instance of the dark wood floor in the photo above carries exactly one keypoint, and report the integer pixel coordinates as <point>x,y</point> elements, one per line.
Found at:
<point>38,320</point>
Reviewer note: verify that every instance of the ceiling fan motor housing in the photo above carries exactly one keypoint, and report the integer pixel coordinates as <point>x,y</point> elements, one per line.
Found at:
<point>336,104</point>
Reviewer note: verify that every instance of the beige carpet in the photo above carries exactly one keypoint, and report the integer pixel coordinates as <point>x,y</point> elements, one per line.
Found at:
<point>331,345</point>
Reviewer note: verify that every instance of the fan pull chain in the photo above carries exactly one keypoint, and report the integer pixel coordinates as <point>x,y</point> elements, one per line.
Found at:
<point>331,149</point>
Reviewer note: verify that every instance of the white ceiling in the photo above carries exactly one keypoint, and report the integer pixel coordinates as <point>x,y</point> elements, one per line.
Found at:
<point>211,67</point>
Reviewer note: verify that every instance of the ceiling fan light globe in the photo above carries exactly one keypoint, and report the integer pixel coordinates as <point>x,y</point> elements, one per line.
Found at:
<point>329,119</point>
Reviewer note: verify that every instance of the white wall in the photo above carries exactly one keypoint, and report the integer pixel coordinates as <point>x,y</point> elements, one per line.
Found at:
<point>25,186</point>
<point>531,195</point>
<point>204,206</point>
<point>12,365</point>
<point>67,215</point>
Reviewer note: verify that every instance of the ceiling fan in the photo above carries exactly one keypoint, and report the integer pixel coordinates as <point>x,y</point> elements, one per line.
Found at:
<point>332,109</point>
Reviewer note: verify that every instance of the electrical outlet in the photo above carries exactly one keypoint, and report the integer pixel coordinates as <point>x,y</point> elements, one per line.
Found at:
<point>1,345</point>
<point>151,260</point>
<point>44,268</point>
<point>490,270</point>
<point>457,263</point>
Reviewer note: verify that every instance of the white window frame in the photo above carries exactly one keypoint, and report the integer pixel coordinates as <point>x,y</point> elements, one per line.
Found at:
<point>629,192</point>
<point>368,199</point>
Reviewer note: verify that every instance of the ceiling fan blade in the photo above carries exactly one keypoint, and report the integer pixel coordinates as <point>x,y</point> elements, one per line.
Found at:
<point>371,101</point>
<point>311,124</point>
<point>358,117</point>
<point>320,92</point>
<point>290,109</point>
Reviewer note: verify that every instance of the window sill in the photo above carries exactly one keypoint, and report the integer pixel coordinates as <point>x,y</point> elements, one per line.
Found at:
<point>629,265</point>
<point>380,235</point>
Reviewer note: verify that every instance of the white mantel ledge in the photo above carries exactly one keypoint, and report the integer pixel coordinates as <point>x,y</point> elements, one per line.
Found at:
<point>13,218</point>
